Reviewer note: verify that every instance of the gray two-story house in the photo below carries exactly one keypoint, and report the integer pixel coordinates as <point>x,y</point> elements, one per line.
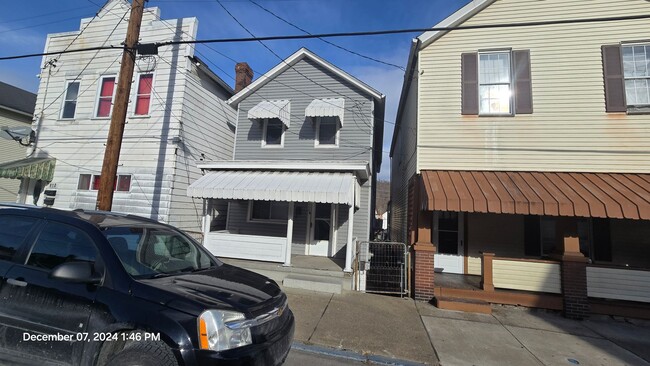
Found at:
<point>308,146</point>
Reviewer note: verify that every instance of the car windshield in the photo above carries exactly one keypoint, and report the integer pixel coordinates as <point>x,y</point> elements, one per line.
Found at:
<point>147,252</point>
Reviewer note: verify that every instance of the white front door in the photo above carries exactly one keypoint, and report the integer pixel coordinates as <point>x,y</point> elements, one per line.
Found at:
<point>448,232</point>
<point>321,229</point>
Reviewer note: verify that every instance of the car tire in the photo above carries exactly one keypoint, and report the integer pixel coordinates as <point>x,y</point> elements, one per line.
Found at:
<point>144,354</point>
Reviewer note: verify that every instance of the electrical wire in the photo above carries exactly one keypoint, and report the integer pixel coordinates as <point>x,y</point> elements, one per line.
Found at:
<point>326,41</point>
<point>374,33</point>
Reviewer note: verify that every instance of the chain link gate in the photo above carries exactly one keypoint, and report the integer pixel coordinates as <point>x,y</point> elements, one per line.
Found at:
<point>385,265</point>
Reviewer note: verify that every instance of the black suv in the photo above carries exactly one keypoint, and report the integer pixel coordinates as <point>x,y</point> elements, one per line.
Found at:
<point>99,288</point>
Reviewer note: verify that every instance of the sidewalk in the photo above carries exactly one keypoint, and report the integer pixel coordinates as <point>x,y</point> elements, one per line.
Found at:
<point>402,329</point>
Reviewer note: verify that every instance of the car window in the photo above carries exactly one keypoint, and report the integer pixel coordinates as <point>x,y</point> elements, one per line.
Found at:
<point>59,243</point>
<point>149,251</point>
<point>13,231</point>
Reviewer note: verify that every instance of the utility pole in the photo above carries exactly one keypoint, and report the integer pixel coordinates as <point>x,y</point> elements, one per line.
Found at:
<point>120,107</point>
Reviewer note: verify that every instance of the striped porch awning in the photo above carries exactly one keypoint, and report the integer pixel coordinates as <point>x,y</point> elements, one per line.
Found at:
<point>33,168</point>
<point>272,109</point>
<point>321,187</point>
<point>604,195</point>
<point>327,107</point>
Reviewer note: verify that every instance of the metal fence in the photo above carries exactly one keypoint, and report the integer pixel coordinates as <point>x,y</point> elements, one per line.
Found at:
<point>385,264</point>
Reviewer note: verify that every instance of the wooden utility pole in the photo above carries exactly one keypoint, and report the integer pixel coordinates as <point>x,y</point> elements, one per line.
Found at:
<point>120,107</point>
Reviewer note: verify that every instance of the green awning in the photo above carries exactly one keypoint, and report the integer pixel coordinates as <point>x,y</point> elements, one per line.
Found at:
<point>34,168</point>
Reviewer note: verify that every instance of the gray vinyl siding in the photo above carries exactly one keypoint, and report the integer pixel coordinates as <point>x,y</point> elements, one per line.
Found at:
<point>403,164</point>
<point>10,151</point>
<point>355,135</point>
<point>206,135</point>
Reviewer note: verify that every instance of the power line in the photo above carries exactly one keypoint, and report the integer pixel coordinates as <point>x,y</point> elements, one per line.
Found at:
<point>366,33</point>
<point>46,15</point>
<point>326,41</point>
<point>411,30</point>
<point>290,66</point>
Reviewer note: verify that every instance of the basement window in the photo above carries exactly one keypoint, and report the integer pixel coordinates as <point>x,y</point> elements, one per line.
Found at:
<point>91,182</point>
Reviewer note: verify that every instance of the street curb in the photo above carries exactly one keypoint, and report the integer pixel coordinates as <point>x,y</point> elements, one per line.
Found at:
<point>354,356</point>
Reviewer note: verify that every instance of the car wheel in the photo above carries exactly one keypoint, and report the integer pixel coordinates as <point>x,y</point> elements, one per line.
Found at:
<point>144,354</point>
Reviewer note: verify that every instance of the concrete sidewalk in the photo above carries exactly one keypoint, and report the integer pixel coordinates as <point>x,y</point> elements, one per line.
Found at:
<point>405,330</point>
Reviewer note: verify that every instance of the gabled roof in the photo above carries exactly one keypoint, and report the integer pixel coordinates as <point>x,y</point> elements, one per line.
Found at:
<point>17,99</point>
<point>292,60</point>
<point>423,40</point>
<point>456,19</point>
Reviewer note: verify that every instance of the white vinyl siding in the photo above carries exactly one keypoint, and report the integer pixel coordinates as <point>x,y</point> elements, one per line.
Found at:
<point>160,168</point>
<point>570,130</point>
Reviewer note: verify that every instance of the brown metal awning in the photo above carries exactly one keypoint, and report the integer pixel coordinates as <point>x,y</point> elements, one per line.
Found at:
<point>606,195</point>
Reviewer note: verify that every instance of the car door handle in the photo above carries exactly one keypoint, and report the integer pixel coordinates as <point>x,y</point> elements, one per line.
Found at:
<point>16,282</point>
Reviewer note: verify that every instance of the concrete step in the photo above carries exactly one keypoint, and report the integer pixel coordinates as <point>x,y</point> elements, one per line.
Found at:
<point>466,305</point>
<point>330,285</point>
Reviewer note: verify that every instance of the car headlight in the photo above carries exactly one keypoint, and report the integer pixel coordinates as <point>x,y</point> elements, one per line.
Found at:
<point>221,330</point>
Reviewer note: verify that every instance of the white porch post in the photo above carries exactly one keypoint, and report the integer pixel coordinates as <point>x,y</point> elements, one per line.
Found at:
<point>348,248</point>
<point>287,255</point>
<point>207,219</point>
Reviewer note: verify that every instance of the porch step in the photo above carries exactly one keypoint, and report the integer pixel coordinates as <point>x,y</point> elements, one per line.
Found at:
<point>466,305</point>
<point>331,285</point>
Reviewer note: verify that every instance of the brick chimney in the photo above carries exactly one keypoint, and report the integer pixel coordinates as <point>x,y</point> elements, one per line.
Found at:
<point>243,76</point>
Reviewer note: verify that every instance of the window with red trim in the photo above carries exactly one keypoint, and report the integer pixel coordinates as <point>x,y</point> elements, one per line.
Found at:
<point>105,97</point>
<point>143,96</point>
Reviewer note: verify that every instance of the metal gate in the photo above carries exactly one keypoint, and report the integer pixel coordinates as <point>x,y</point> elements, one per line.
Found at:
<point>385,266</point>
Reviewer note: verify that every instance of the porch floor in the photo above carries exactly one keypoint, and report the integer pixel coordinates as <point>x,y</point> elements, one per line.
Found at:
<point>457,281</point>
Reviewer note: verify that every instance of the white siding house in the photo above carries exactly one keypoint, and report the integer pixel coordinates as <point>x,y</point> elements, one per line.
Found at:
<point>177,117</point>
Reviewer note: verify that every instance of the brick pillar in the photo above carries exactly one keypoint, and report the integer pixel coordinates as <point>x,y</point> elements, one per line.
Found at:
<point>424,282</point>
<point>424,253</point>
<point>574,271</point>
<point>574,288</point>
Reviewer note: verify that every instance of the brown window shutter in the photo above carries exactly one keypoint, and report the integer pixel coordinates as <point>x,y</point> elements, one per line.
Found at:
<point>469,71</point>
<point>614,83</point>
<point>523,87</point>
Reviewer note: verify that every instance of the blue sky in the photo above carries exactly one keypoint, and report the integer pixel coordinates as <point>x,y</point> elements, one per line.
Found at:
<point>24,26</point>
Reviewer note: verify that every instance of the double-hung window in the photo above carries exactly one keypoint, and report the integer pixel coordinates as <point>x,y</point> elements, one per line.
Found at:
<point>70,100</point>
<point>105,98</point>
<point>273,134</point>
<point>143,94</point>
<point>636,73</point>
<point>327,132</point>
<point>495,83</point>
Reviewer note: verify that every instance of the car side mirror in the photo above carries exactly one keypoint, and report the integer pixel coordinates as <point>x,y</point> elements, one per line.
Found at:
<point>76,272</point>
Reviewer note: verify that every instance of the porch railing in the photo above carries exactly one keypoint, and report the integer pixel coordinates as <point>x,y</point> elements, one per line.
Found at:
<point>253,247</point>
<point>520,274</point>
<point>618,283</point>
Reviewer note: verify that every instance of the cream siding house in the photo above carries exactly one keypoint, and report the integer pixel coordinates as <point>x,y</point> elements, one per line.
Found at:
<point>177,117</point>
<point>531,148</point>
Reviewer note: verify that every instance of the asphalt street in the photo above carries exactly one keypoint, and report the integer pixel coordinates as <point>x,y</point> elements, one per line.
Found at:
<point>301,358</point>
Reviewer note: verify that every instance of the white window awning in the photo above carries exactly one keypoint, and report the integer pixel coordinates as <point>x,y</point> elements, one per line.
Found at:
<point>272,109</point>
<point>328,107</point>
<point>330,187</point>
